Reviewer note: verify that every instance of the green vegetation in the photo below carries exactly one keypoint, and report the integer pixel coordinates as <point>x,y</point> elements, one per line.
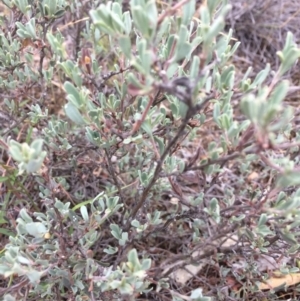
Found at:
<point>135,163</point>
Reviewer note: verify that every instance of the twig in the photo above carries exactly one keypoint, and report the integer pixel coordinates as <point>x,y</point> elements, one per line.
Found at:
<point>42,52</point>
<point>14,125</point>
<point>190,113</point>
<point>205,165</point>
<point>139,122</point>
<point>171,11</point>
<point>156,174</point>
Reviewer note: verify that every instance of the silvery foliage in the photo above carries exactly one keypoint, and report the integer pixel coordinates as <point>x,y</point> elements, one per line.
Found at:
<point>187,58</point>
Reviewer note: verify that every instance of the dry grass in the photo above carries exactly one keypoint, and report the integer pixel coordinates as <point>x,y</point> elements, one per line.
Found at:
<point>261,27</point>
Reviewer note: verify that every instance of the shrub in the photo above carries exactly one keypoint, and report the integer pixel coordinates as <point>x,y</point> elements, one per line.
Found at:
<point>162,177</point>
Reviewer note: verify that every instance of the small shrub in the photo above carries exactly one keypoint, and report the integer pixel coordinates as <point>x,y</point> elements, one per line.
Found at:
<point>135,165</point>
